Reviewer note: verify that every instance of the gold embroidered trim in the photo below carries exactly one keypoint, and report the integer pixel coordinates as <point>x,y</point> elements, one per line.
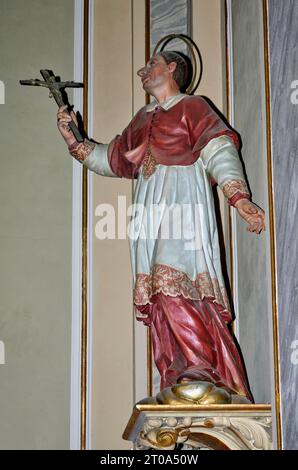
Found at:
<point>149,165</point>
<point>234,186</point>
<point>173,282</point>
<point>80,151</point>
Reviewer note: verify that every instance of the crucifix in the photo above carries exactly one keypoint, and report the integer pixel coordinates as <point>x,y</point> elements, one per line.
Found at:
<point>57,91</point>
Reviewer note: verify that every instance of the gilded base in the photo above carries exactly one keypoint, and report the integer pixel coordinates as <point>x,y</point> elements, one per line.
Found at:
<point>197,393</point>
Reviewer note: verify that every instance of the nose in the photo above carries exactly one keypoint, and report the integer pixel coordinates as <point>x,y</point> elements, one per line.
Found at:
<point>141,72</point>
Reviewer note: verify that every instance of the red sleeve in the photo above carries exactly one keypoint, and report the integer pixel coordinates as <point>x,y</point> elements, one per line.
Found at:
<point>119,164</point>
<point>237,196</point>
<point>205,124</point>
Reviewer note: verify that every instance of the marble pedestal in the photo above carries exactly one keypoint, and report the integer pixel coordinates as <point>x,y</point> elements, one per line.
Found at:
<point>220,427</point>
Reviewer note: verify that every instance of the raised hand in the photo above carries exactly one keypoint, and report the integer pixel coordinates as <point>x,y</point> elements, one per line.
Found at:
<point>63,120</point>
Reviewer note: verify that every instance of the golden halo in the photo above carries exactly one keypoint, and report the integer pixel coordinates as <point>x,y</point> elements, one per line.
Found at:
<point>193,48</point>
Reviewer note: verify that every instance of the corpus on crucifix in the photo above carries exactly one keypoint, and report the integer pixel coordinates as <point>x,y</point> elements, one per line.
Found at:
<point>57,91</point>
<point>176,148</point>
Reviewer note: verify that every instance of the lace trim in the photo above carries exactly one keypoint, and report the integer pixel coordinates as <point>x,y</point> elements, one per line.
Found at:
<point>149,165</point>
<point>172,282</point>
<point>232,187</point>
<point>80,151</point>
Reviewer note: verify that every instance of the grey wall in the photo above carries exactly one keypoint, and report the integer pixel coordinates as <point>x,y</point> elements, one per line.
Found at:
<point>253,272</point>
<point>168,17</point>
<point>283,38</point>
<point>35,230</point>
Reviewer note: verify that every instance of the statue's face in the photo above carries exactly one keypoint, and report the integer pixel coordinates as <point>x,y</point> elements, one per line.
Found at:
<point>155,74</point>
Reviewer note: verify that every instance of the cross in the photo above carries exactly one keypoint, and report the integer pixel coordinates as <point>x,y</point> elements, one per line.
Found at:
<point>57,91</point>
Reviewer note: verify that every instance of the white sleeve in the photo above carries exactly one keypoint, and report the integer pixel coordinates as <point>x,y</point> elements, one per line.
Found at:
<point>221,160</point>
<point>98,161</point>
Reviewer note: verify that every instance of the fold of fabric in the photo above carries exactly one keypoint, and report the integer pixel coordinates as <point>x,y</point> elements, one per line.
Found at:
<point>191,341</point>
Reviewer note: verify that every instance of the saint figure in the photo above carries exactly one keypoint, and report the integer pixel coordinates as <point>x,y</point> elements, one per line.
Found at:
<point>176,148</point>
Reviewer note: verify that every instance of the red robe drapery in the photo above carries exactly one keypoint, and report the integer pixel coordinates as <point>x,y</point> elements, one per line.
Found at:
<point>192,341</point>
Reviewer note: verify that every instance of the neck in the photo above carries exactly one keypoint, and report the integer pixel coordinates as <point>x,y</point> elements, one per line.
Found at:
<point>162,95</point>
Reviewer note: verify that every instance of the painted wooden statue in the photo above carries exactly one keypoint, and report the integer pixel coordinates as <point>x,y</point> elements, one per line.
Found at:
<point>176,148</point>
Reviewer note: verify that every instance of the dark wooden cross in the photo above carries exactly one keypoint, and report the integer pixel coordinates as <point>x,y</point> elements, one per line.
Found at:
<point>57,91</point>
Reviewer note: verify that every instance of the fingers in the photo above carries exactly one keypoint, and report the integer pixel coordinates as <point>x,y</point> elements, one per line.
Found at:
<point>255,228</point>
<point>256,225</point>
<point>63,117</point>
<point>254,216</point>
<point>63,124</point>
<point>63,114</point>
<point>256,222</point>
<point>63,120</point>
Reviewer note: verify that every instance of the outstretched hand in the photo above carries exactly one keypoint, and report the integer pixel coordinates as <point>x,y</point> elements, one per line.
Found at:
<point>252,214</point>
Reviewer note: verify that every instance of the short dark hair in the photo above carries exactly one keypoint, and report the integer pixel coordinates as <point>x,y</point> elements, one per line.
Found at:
<point>182,72</point>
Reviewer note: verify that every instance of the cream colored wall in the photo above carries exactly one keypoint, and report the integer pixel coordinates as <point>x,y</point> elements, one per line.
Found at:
<point>208,22</point>
<point>208,28</point>
<point>119,45</point>
<point>139,99</point>
<point>35,230</point>
<point>118,52</point>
